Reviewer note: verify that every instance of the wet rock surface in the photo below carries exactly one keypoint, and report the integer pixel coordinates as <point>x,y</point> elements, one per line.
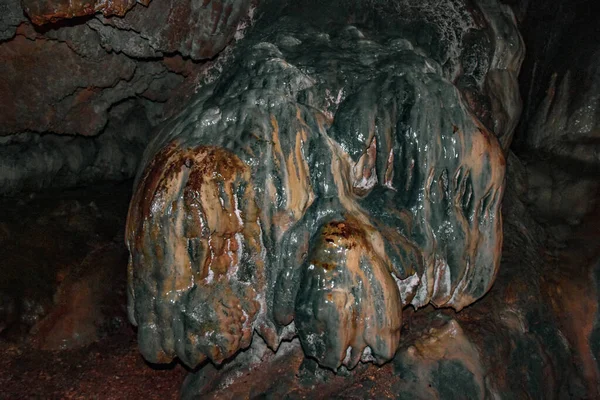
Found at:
<point>63,281</point>
<point>538,342</point>
<point>532,335</point>
<point>343,116</point>
<point>319,192</point>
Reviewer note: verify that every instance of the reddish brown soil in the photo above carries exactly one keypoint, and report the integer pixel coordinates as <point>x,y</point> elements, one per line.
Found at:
<point>110,369</point>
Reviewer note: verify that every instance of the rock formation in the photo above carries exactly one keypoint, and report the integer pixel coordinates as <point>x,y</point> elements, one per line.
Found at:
<point>330,177</point>
<point>337,199</point>
<point>67,78</point>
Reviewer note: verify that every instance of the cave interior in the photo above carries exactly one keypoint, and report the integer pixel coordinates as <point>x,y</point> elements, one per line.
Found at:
<point>308,134</point>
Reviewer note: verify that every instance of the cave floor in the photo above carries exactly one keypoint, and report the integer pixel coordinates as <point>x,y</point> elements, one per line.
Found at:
<point>63,327</point>
<point>110,369</point>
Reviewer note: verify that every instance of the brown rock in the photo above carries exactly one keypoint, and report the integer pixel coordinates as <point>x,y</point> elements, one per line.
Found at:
<point>49,87</point>
<point>194,29</point>
<point>84,302</point>
<point>44,11</point>
<point>65,79</point>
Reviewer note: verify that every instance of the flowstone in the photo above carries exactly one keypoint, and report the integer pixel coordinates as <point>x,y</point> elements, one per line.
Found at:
<point>332,175</point>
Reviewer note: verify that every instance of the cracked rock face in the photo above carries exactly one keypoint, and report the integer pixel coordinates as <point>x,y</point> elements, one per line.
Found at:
<point>104,61</point>
<point>10,18</point>
<point>64,104</point>
<point>331,176</point>
<point>67,79</point>
<point>44,11</point>
<point>195,29</point>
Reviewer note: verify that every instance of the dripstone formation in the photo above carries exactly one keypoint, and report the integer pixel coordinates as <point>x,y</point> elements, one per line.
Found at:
<point>346,164</point>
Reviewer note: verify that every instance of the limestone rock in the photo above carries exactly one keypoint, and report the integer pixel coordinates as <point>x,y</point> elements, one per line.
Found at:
<point>316,193</point>
<point>539,341</point>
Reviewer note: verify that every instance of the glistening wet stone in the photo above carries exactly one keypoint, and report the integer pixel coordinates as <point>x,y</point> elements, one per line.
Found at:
<point>331,176</point>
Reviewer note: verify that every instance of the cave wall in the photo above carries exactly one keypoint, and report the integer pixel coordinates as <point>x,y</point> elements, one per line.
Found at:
<point>558,137</point>
<point>84,83</point>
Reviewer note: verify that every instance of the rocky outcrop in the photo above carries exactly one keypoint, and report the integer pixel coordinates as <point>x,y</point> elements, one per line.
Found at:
<point>11,16</point>
<point>44,11</point>
<point>302,225</point>
<point>194,29</point>
<point>71,78</point>
<point>330,177</point>
<point>285,197</point>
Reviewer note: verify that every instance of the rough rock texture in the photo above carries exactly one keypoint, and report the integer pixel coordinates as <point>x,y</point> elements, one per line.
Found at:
<point>67,161</point>
<point>10,18</point>
<point>528,347</point>
<point>198,29</point>
<point>195,29</point>
<point>43,11</point>
<point>559,136</point>
<point>68,103</point>
<point>331,176</point>
<point>62,276</point>
<point>74,77</point>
